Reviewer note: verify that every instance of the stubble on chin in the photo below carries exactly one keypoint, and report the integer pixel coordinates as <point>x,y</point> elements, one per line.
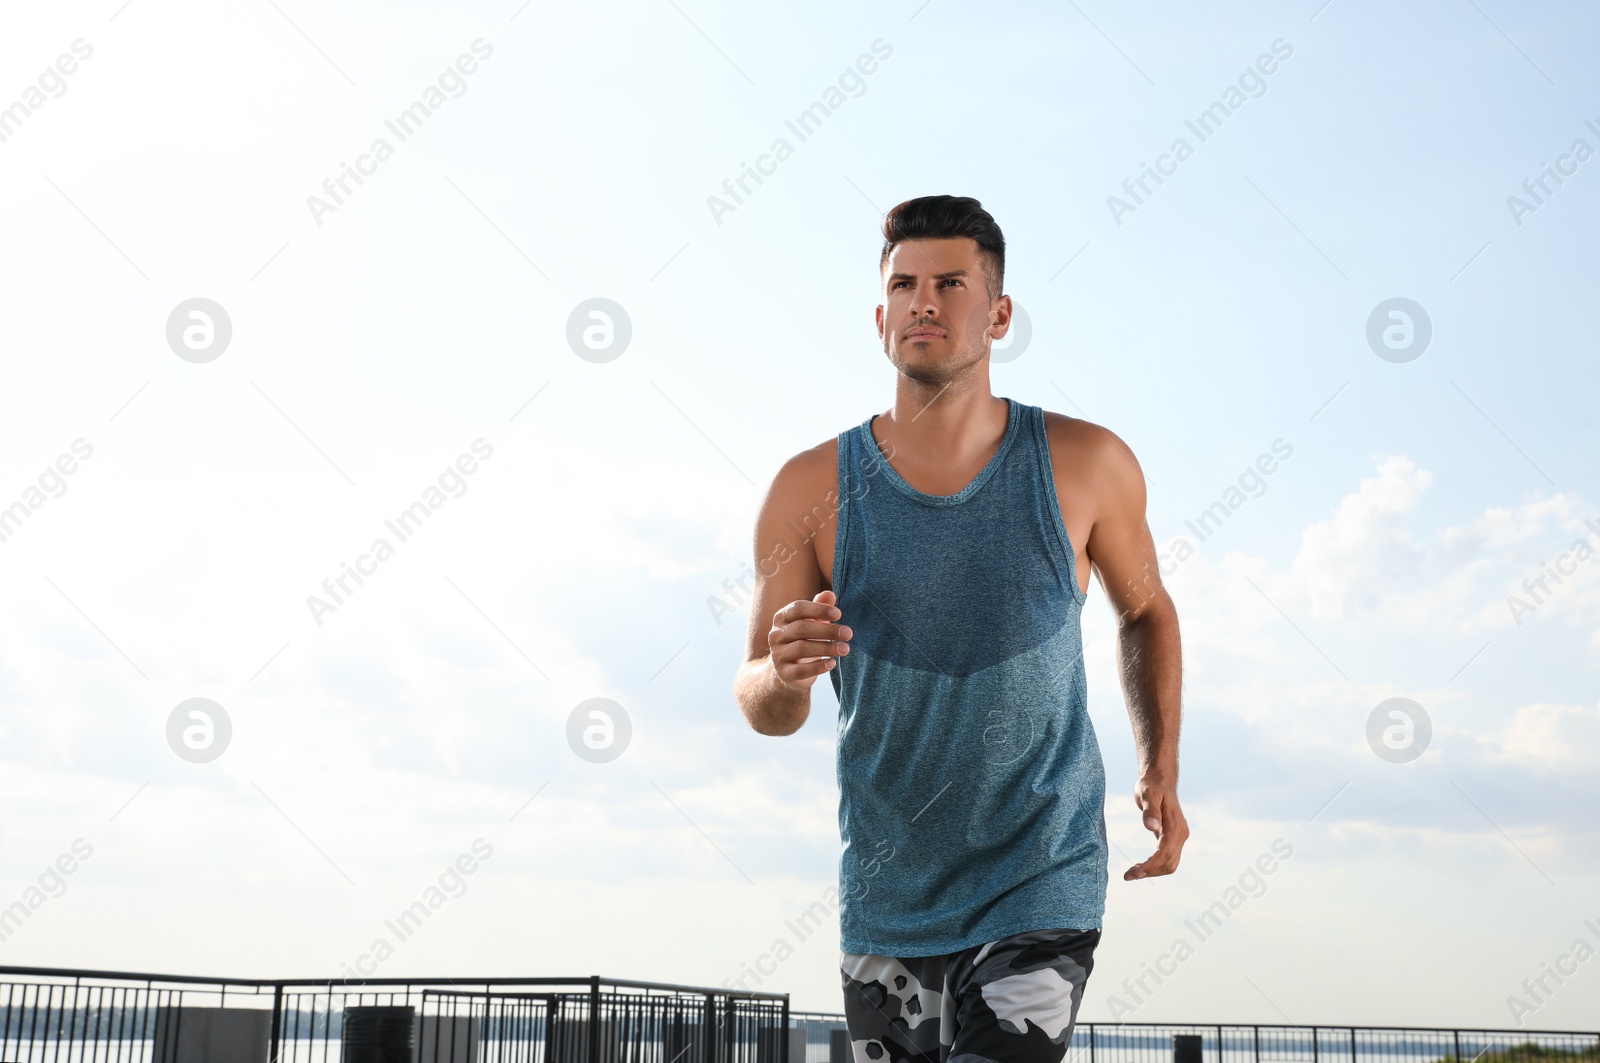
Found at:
<point>936,374</point>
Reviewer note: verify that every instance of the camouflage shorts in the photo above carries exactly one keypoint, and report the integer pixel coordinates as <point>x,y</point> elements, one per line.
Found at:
<point>1014,1000</point>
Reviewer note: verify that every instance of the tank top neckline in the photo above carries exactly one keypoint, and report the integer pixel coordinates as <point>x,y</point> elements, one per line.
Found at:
<point>1013,418</point>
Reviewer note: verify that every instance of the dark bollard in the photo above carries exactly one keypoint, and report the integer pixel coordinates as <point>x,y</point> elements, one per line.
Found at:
<point>1186,1048</point>
<point>839,1048</point>
<point>378,1034</point>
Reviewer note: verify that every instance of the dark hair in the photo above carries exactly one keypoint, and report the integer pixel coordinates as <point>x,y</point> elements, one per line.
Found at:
<point>939,217</point>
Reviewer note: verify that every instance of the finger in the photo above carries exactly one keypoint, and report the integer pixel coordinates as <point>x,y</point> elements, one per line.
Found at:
<point>813,629</point>
<point>816,629</point>
<point>1164,861</point>
<point>804,610</point>
<point>1173,836</point>
<point>800,652</point>
<point>804,672</point>
<point>806,648</point>
<point>1153,814</point>
<point>1150,867</point>
<point>785,646</point>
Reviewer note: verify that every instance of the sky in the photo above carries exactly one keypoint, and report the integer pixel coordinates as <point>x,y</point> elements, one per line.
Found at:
<point>226,377</point>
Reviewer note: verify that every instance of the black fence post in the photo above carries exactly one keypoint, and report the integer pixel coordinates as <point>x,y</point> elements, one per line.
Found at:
<point>277,1023</point>
<point>177,1025</point>
<point>1456,1036</point>
<point>594,1018</point>
<point>783,1033</point>
<point>708,1049</point>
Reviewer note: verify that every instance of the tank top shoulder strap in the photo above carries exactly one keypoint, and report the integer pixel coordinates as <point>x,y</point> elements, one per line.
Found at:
<point>847,491</point>
<point>1037,443</point>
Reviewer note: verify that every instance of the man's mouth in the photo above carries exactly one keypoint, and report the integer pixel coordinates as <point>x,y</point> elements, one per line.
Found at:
<point>923,333</point>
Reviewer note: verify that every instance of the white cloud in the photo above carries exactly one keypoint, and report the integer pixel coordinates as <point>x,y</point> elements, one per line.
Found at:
<point>1544,736</point>
<point>1352,561</point>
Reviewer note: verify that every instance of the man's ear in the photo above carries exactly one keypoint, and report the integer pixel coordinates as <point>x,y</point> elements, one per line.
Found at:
<point>1003,310</point>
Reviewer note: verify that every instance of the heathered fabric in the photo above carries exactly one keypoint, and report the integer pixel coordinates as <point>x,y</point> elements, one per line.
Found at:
<point>971,788</point>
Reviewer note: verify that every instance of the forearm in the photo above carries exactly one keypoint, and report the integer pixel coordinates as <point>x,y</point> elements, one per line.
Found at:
<point>1150,661</point>
<point>770,707</point>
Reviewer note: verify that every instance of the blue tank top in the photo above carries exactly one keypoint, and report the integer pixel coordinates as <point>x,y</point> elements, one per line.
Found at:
<point>971,788</point>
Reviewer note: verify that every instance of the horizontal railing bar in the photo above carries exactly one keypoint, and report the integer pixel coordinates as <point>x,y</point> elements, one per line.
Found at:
<point>458,992</point>
<point>272,983</point>
<point>1209,1026</point>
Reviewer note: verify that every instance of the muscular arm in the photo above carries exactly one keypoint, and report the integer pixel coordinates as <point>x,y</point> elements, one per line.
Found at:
<point>790,640</point>
<point>1149,656</point>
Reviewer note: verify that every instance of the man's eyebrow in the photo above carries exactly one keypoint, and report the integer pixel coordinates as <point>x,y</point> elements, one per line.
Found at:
<point>936,276</point>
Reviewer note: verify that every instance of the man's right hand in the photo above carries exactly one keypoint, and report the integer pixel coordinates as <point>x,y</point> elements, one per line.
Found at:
<point>804,642</point>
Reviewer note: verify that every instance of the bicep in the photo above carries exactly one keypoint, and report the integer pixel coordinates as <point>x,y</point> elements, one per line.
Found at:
<point>1120,546</point>
<point>786,568</point>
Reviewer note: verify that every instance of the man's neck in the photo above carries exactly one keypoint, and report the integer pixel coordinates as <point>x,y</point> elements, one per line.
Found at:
<point>945,424</point>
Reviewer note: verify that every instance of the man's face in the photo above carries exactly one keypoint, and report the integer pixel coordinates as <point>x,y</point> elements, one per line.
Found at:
<point>936,319</point>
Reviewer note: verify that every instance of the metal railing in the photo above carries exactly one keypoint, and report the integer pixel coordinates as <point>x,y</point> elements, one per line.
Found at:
<point>51,1015</point>
<point>826,1042</point>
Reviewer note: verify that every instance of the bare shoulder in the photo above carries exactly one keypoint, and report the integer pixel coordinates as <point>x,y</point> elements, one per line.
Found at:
<point>806,478</point>
<point>800,510</point>
<point>1088,453</point>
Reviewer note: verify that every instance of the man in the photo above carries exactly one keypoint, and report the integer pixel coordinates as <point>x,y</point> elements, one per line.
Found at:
<point>931,560</point>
